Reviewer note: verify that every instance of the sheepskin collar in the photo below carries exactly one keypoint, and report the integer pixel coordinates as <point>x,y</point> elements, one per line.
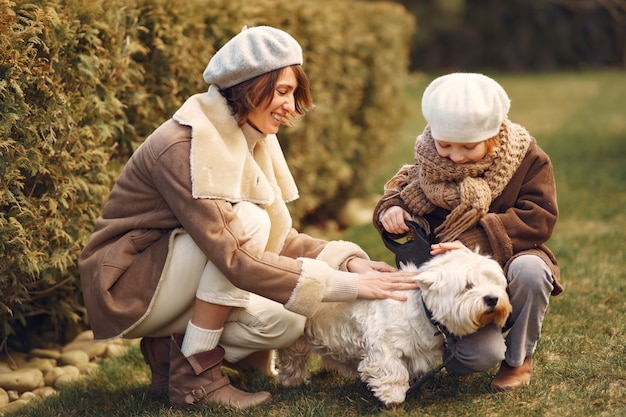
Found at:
<point>222,166</point>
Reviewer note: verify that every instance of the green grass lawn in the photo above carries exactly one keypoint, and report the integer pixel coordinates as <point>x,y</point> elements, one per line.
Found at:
<point>580,363</point>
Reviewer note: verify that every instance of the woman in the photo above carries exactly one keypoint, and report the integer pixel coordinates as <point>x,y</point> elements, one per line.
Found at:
<point>482,181</point>
<point>194,250</point>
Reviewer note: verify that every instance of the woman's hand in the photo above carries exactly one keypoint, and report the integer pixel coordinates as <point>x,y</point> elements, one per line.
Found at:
<point>438,248</point>
<point>378,285</point>
<point>393,220</point>
<point>362,266</point>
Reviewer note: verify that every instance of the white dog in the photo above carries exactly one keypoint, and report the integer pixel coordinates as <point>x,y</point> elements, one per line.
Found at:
<point>392,342</point>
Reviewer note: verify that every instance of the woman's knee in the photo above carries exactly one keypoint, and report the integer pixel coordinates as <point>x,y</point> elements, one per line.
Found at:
<point>293,328</point>
<point>255,220</point>
<point>266,319</point>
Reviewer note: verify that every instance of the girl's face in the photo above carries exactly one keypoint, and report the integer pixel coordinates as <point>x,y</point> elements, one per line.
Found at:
<point>267,119</point>
<point>461,153</point>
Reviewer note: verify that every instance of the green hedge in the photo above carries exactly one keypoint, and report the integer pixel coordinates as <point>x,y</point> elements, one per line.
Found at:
<point>82,83</point>
<point>59,115</point>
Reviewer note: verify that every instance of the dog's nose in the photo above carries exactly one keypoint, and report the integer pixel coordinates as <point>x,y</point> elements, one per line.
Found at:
<point>490,300</point>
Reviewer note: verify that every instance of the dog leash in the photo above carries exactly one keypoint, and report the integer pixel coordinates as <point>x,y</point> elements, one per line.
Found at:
<point>446,348</point>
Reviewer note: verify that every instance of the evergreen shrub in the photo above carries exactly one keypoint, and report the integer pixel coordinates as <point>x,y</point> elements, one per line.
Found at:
<point>60,69</point>
<point>82,83</point>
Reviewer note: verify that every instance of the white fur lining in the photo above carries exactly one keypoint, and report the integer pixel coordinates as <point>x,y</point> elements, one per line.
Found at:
<point>309,291</point>
<point>221,165</point>
<point>223,168</point>
<point>337,252</point>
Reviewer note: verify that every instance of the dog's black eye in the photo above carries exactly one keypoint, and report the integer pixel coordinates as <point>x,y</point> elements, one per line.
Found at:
<point>469,286</point>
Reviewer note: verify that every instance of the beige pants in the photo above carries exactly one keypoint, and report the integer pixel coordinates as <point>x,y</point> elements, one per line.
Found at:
<point>254,324</point>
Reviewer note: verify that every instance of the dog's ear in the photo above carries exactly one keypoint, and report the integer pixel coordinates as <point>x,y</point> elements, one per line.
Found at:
<point>426,278</point>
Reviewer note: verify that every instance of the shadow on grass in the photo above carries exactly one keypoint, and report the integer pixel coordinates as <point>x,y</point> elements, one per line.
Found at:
<point>120,388</point>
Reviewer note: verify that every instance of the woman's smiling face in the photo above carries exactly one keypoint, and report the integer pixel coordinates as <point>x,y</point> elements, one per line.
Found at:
<point>267,119</point>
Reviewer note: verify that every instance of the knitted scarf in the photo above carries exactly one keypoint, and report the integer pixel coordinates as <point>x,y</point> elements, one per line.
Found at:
<point>466,190</point>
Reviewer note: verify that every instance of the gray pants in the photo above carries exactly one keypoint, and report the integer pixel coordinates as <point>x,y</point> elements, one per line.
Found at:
<point>530,284</point>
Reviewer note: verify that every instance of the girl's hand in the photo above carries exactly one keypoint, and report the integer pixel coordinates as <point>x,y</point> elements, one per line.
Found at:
<point>393,220</point>
<point>384,285</point>
<point>438,248</point>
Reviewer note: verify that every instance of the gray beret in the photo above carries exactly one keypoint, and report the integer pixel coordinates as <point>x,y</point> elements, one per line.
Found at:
<point>252,52</point>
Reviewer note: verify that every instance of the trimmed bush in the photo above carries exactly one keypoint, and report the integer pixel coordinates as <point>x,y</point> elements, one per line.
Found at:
<point>60,68</point>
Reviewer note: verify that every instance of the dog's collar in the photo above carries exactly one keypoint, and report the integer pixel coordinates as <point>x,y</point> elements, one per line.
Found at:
<point>441,329</point>
<point>448,349</point>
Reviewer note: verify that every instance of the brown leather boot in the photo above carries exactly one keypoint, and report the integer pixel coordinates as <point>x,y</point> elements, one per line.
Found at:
<point>262,361</point>
<point>156,353</point>
<point>198,380</point>
<point>510,379</point>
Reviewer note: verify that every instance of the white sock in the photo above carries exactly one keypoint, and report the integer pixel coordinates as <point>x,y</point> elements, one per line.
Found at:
<point>198,340</point>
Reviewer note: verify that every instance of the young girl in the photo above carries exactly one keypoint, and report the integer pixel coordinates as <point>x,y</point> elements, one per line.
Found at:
<point>194,251</point>
<point>483,182</point>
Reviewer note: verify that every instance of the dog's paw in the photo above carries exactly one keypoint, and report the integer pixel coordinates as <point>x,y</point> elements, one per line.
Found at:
<point>391,394</point>
<point>293,380</point>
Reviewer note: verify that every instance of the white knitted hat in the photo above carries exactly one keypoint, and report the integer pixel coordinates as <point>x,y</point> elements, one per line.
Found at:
<point>252,52</point>
<point>464,107</point>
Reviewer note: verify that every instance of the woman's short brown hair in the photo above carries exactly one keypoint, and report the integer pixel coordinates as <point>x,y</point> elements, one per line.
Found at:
<point>259,91</point>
